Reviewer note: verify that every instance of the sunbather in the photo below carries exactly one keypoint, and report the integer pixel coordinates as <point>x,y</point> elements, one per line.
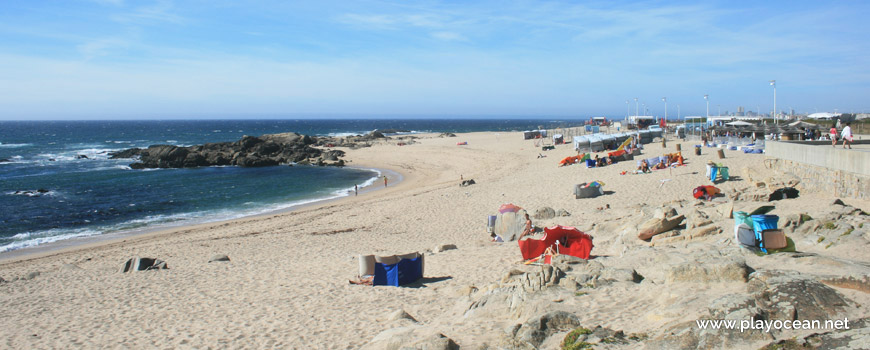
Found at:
<point>528,229</point>
<point>644,167</point>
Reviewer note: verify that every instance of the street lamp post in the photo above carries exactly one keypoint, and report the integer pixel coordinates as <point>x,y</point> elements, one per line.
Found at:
<point>627,112</point>
<point>707,99</point>
<point>665,99</point>
<point>773,83</point>
<point>635,109</point>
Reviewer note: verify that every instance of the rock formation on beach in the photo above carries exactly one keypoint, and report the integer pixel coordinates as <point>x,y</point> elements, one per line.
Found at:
<point>250,151</point>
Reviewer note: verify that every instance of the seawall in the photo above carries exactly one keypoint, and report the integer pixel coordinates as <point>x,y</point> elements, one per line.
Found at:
<point>844,173</point>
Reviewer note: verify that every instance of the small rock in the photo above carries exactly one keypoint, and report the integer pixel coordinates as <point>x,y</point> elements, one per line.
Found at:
<point>401,314</point>
<point>562,212</point>
<point>838,202</point>
<point>444,247</point>
<point>30,276</point>
<point>219,257</point>
<point>545,213</point>
<point>70,267</point>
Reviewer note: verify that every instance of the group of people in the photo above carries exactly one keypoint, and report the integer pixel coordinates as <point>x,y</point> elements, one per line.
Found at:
<point>846,135</point>
<point>602,161</point>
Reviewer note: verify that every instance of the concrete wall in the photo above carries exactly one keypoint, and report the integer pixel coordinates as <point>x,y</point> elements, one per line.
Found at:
<point>823,168</point>
<point>834,158</point>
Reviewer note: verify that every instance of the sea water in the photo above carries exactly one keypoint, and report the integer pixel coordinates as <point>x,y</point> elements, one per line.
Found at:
<point>57,181</point>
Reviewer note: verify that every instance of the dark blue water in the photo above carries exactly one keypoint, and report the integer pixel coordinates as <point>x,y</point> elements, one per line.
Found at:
<point>94,195</point>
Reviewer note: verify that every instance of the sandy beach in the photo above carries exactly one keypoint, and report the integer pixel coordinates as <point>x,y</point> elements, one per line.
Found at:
<point>286,284</point>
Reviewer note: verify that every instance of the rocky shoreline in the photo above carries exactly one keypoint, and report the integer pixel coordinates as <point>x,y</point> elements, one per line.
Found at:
<point>250,151</point>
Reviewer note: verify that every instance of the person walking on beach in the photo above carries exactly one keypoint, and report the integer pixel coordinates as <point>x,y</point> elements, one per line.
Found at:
<point>834,134</point>
<point>355,190</point>
<point>385,180</point>
<point>847,135</point>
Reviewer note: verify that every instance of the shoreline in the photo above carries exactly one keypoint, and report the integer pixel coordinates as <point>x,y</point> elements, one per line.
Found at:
<point>95,241</point>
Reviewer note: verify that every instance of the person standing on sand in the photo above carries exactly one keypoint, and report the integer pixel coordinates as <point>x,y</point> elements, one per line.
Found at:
<point>847,135</point>
<point>834,134</point>
<point>355,190</point>
<point>385,180</point>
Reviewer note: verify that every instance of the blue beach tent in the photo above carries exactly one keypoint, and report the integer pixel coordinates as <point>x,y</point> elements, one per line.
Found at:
<point>393,270</point>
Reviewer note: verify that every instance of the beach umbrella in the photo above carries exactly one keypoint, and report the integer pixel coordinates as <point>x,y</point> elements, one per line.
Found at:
<point>739,123</point>
<point>508,208</point>
<point>510,222</point>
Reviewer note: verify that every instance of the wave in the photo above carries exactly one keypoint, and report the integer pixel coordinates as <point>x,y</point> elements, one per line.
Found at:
<point>344,134</point>
<point>32,239</point>
<point>14,145</point>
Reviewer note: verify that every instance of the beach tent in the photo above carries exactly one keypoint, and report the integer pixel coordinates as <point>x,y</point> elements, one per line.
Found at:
<point>558,139</point>
<point>562,239</point>
<point>392,270</point>
<point>510,222</point>
<point>596,144</point>
<point>581,143</point>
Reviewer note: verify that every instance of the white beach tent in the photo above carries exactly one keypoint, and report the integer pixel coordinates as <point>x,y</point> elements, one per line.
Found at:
<point>581,143</point>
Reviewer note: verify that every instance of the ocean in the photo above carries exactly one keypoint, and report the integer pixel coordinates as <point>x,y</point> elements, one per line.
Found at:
<point>58,183</point>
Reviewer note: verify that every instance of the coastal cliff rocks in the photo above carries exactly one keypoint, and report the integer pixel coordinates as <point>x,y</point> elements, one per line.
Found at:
<point>249,151</point>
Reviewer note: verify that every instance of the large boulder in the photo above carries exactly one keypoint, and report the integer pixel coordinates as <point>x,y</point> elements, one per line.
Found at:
<point>412,338</point>
<point>545,213</point>
<point>537,329</point>
<point>788,295</point>
<point>710,271</point>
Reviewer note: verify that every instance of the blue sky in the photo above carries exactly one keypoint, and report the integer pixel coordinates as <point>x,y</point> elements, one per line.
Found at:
<point>199,59</point>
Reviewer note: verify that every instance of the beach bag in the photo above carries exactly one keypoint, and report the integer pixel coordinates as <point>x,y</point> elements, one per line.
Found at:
<point>745,235</point>
<point>773,239</point>
<point>783,193</point>
<point>723,172</point>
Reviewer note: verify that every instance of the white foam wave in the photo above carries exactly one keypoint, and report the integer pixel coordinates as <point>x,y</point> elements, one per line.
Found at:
<point>32,239</point>
<point>344,134</point>
<point>14,145</point>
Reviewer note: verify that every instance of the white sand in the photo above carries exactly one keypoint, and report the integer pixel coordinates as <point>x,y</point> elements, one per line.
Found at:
<point>287,284</point>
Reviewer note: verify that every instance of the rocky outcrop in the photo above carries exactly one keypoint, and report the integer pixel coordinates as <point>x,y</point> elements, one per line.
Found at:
<point>143,264</point>
<point>545,213</point>
<point>250,151</point>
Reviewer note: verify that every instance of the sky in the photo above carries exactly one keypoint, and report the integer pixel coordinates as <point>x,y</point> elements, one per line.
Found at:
<point>124,59</point>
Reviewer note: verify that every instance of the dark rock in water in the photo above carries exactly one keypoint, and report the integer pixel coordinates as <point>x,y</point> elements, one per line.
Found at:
<point>249,151</point>
<point>143,264</point>
<point>5,160</point>
<point>81,156</point>
<point>42,190</point>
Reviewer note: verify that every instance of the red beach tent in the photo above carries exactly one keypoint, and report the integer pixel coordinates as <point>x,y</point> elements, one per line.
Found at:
<point>563,239</point>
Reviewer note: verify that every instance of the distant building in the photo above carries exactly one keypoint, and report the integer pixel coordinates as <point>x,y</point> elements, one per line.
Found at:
<point>740,111</point>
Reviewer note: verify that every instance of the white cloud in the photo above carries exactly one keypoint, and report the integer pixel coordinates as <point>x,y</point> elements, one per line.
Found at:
<point>448,36</point>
